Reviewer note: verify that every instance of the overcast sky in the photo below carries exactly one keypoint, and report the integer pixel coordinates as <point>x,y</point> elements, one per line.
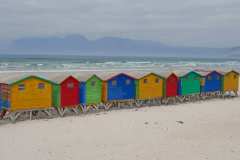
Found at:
<point>213,23</point>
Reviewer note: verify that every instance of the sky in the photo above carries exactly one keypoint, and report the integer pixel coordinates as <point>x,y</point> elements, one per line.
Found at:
<point>210,23</point>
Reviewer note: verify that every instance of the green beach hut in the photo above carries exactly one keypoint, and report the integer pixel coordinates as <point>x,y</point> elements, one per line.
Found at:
<point>90,89</point>
<point>189,84</point>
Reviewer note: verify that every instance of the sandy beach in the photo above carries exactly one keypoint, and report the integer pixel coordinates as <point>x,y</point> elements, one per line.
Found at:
<point>199,131</point>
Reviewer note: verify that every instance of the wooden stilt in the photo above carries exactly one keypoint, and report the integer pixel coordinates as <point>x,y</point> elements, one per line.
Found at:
<point>82,108</point>
<point>75,110</point>
<point>30,115</point>
<point>60,111</point>
<point>47,112</point>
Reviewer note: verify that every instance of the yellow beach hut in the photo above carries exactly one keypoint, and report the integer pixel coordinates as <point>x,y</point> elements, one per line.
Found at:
<point>149,86</point>
<point>231,82</point>
<point>31,93</point>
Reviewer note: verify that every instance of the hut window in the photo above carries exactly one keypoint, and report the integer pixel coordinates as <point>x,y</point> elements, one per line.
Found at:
<point>209,78</point>
<point>217,77</point>
<point>93,83</point>
<point>128,81</point>
<point>114,83</point>
<point>21,87</point>
<point>70,85</point>
<point>157,80</point>
<point>145,81</point>
<point>41,85</point>
<point>235,76</point>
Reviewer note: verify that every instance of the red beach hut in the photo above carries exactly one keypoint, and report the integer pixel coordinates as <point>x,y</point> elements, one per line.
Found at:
<point>69,92</point>
<point>66,92</point>
<point>171,85</point>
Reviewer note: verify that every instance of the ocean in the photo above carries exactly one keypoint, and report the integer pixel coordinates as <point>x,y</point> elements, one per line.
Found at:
<point>60,63</point>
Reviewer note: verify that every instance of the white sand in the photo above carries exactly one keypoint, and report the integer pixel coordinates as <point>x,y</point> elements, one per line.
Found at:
<point>211,130</point>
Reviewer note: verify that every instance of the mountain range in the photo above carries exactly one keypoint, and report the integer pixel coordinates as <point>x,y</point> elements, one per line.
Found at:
<point>109,46</point>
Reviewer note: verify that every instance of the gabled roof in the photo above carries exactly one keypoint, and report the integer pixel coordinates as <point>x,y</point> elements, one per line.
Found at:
<point>31,76</point>
<point>58,78</point>
<point>86,77</point>
<point>151,73</point>
<point>168,74</point>
<point>231,71</point>
<point>109,76</point>
<point>190,73</point>
<point>206,72</point>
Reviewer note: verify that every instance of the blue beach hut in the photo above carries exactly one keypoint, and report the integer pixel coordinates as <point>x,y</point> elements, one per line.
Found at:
<point>119,87</point>
<point>211,81</point>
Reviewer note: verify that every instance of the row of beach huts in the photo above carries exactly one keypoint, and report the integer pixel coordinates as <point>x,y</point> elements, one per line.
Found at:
<point>61,93</point>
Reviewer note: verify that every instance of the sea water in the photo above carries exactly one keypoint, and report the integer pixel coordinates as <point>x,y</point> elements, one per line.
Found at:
<point>60,63</point>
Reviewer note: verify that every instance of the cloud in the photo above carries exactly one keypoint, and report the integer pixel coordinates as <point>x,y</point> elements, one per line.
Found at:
<point>188,22</point>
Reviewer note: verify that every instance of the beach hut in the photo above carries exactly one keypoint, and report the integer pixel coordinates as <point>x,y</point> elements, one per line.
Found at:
<point>211,81</point>
<point>4,97</point>
<point>171,85</point>
<point>149,86</point>
<point>230,82</point>
<point>31,93</point>
<point>118,88</point>
<point>90,91</point>
<point>189,85</point>
<point>65,93</point>
<point>170,88</point>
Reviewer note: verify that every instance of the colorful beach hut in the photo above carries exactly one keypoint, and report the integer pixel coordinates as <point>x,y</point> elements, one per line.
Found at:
<point>189,84</point>
<point>90,89</point>
<point>4,96</point>
<point>31,92</point>
<point>211,81</point>
<point>118,87</point>
<point>171,89</point>
<point>149,86</point>
<point>231,81</point>
<point>66,91</point>
<point>26,94</point>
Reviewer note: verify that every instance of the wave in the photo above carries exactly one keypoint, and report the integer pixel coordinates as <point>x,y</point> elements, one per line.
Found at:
<point>121,63</point>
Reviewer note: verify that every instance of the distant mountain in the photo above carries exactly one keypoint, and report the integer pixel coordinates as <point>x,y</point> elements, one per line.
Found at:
<point>108,46</point>
<point>234,52</point>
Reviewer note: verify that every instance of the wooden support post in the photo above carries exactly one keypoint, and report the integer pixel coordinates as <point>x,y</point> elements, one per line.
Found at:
<point>14,116</point>
<point>75,110</point>
<point>60,111</point>
<point>47,112</point>
<point>30,115</point>
<point>81,107</point>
